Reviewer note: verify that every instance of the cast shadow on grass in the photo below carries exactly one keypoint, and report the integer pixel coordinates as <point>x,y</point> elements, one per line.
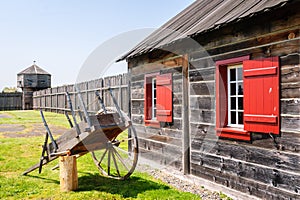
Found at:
<point>43,178</point>
<point>126,188</point>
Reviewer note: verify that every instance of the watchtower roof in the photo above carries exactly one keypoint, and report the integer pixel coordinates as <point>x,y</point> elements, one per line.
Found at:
<point>34,69</point>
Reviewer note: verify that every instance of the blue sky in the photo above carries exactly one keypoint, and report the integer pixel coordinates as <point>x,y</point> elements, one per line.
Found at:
<point>60,35</point>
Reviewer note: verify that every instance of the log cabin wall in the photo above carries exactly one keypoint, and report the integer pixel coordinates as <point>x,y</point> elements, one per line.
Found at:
<point>163,144</point>
<point>269,166</point>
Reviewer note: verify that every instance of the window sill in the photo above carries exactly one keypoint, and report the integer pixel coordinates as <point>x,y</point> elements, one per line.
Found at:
<point>152,123</point>
<point>235,133</point>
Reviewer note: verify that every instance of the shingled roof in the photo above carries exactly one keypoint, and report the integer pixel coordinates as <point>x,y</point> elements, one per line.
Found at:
<point>200,17</point>
<point>34,69</point>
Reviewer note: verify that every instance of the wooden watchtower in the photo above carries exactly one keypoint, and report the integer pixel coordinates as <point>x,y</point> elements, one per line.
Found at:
<point>32,79</point>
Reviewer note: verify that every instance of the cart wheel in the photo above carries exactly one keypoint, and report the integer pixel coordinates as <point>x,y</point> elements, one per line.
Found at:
<point>119,159</point>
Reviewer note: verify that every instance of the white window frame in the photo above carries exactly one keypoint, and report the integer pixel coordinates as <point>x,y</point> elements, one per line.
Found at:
<point>154,98</point>
<point>235,66</point>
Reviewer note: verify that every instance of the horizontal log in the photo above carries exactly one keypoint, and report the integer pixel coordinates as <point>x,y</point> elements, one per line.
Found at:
<point>265,157</point>
<point>290,59</point>
<point>198,102</point>
<point>290,93</point>
<point>176,72</point>
<point>200,130</point>
<point>202,115</point>
<point>290,73</point>
<point>137,119</point>
<point>176,124</point>
<point>242,184</point>
<point>203,88</point>
<point>291,85</point>
<point>160,161</point>
<point>202,75</point>
<point>177,111</point>
<point>177,87</point>
<point>161,138</point>
<point>267,175</point>
<point>137,93</point>
<point>151,66</point>
<point>141,130</point>
<point>160,147</point>
<point>137,84</point>
<point>290,123</point>
<point>290,106</point>
<point>172,133</point>
<point>201,64</point>
<point>137,77</point>
<point>138,108</point>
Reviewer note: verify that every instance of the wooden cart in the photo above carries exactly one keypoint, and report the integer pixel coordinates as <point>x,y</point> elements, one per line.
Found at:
<point>108,135</point>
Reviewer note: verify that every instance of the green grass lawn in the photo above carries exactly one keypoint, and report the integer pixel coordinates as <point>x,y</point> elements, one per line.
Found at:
<point>18,154</point>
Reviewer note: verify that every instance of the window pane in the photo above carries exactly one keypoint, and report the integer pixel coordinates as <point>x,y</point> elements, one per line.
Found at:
<point>240,117</point>
<point>232,88</point>
<point>240,73</point>
<point>240,103</point>
<point>240,89</point>
<point>233,103</point>
<point>233,117</point>
<point>232,75</point>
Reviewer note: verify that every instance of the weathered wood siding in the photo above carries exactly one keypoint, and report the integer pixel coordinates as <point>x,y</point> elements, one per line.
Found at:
<point>266,168</point>
<point>161,145</point>
<point>11,101</point>
<point>55,100</point>
<point>38,81</point>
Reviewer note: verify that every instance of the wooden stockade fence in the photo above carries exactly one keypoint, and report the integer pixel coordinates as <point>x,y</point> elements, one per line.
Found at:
<point>55,99</point>
<point>11,101</point>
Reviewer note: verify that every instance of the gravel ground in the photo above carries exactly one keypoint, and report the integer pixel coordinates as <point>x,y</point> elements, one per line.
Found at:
<point>181,184</point>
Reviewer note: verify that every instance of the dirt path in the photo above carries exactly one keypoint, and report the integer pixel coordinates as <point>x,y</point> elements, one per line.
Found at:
<point>4,116</point>
<point>19,130</point>
<point>28,130</point>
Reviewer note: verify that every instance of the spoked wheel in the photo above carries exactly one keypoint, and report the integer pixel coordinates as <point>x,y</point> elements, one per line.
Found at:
<point>119,158</point>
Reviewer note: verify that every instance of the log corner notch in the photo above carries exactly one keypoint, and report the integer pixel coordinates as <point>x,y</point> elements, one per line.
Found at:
<point>68,173</point>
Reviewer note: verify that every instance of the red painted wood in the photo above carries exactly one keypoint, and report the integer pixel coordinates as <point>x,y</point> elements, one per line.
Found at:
<point>164,101</point>
<point>261,71</point>
<point>221,101</point>
<point>232,61</point>
<point>164,112</point>
<point>148,97</point>
<point>261,118</point>
<point>221,97</point>
<point>152,123</point>
<point>233,133</point>
<point>261,95</point>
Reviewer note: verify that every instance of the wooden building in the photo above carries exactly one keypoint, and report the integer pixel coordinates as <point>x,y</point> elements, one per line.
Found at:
<point>215,93</point>
<point>32,79</point>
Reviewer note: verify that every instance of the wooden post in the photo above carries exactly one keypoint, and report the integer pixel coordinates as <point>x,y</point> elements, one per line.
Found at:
<point>68,173</point>
<point>185,116</point>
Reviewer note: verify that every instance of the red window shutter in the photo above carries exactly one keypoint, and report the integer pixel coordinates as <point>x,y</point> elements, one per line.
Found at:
<point>147,100</point>
<point>164,102</point>
<point>261,95</point>
<point>222,130</point>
